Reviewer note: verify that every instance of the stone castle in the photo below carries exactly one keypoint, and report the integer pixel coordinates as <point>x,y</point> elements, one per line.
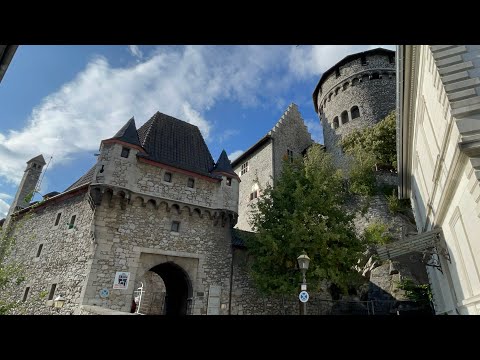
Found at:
<point>157,213</point>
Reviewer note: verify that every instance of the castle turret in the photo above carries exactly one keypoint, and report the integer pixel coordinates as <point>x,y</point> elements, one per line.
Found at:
<point>358,92</point>
<point>28,184</point>
<point>230,182</point>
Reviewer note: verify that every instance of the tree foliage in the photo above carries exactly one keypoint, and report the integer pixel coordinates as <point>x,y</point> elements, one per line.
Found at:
<point>304,212</point>
<point>379,141</point>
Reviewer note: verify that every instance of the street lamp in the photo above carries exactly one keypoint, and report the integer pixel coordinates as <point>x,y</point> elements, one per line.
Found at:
<point>303,262</point>
<point>58,302</point>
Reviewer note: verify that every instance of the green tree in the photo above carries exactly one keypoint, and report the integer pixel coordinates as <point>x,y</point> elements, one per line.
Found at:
<point>379,141</point>
<point>304,212</point>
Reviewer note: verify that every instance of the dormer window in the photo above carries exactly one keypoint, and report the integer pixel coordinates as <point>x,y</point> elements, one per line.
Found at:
<point>125,152</point>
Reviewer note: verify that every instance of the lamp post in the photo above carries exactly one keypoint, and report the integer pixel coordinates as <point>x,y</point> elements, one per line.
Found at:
<point>303,262</point>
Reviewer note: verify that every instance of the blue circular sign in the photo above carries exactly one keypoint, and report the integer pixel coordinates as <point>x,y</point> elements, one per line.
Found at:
<point>104,293</point>
<point>303,296</point>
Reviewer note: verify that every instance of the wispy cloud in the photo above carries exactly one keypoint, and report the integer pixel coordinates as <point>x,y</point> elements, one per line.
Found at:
<point>227,134</point>
<point>235,154</point>
<point>135,51</point>
<point>5,196</point>
<point>3,208</point>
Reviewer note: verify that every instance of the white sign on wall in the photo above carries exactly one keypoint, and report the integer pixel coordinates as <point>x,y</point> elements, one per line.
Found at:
<point>121,280</point>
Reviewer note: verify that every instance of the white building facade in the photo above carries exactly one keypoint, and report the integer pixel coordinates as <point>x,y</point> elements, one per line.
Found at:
<point>438,131</point>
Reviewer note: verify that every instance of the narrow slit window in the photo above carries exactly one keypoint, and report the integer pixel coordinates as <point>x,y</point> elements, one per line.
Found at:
<point>191,183</point>
<point>52,292</point>
<point>39,251</point>
<point>25,294</point>
<point>125,152</point>
<point>229,181</point>
<point>57,220</point>
<point>72,222</point>
<point>167,177</point>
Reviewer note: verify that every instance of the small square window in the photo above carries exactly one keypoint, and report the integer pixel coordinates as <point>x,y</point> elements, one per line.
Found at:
<point>244,168</point>
<point>175,226</point>
<point>125,152</point>
<point>191,183</point>
<point>57,220</point>
<point>229,181</point>
<point>52,291</point>
<point>167,177</point>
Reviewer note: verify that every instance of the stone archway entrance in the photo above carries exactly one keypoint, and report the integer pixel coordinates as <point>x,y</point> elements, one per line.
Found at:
<point>178,288</point>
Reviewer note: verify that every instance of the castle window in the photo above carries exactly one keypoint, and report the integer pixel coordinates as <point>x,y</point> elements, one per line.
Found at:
<point>355,112</point>
<point>335,122</point>
<point>40,247</point>
<point>345,86</point>
<point>167,177</point>
<point>175,226</point>
<point>290,155</point>
<point>344,117</point>
<point>244,168</point>
<point>355,81</point>
<point>102,169</point>
<point>255,192</point>
<point>364,60</point>
<point>52,291</point>
<point>336,91</point>
<point>34,166</point>
<point>125,152</point>
<point>72,222</point>
<point>57,220</point>
<point>375,76</point>
<point>191,182</point>
<point>391,59</point>
<point>337,72</point>
<point>229,181</point>
<point>25,294</point>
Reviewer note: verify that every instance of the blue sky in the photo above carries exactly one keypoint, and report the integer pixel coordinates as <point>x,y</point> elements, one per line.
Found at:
<point>61,101</point>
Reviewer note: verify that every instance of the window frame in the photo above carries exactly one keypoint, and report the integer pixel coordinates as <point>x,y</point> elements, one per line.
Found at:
<point>177,224</point>
<point>123,151</point>
<point>170,177</point>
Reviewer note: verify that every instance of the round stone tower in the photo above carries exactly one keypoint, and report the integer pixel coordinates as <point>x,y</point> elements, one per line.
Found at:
<point>357,92</point>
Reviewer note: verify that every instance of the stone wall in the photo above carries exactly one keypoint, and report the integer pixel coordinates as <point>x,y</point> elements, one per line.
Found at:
<point>139,237</point>
<point>64,259</point>
<point>146,179</point>
<point>289,133</point>
<point>260,171</point>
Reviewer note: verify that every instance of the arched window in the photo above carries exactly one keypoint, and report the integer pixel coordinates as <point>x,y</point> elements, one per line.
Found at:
<point>344,117</point>
<point>337,90</point>
<point>330,97</point>
<point>355,112</point>
<point>335,122</point>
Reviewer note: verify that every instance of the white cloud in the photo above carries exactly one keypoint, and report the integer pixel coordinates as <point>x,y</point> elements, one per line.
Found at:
<point>306,61</point>
<point>235,154</point>
<point>315,128</point>
<point>180,81</point>
<point>3,208</point>
<point>227,134</point>
<point>135,51</point>
<point>5,196</point>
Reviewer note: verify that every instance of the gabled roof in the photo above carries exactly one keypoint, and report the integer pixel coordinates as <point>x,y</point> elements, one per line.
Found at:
<point>128,133</point>
<point>223,164</point>
<point>85,179</point>
<point>177,143</point>
<point>38,159</point>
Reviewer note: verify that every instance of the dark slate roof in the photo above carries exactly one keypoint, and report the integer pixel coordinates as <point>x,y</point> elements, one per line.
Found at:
<point>342,62</point>
<point>50,194</point>
<point>239,237</point>
<point>85,179</point>
<point>223,164</point>
<point>37,159</point>
<point>176,143</point>
<point>128,133</point>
